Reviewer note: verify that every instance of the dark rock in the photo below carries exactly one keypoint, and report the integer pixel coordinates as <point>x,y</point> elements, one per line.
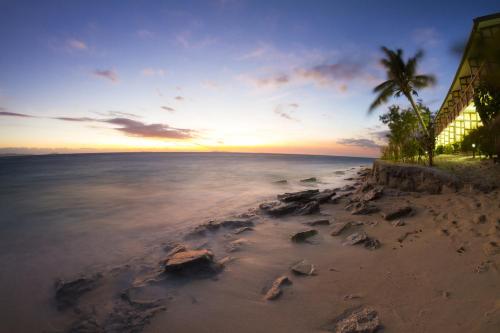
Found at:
<point>242,229</point>
<point>189,259</point>
<point>323,196</point>
<point>282,181</point>
<point>363,208</point>
<point>337,197</point>
<point>347,188</point>
<point>302,196</point>
<point>68,292</point>
<point>303,268</point>
<point>356,238</point>
<point>309,180</point>
<point>212,226</point>
<point>233,224</point>
<point>397,213</point>
<point>371,243</point>
<point>275,290</point>
<point>339,227</point>
<point>277,208</point>
<point>357,320</point>
<point>309,208</point>
<point>368,192</point>
<point>317,222</point>
<point>302,236</point>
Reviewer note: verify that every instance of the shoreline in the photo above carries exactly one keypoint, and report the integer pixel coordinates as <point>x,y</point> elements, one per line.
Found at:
<point>414,272</point>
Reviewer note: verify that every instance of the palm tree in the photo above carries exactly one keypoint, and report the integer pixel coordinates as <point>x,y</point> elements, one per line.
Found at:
<point>402,79</point>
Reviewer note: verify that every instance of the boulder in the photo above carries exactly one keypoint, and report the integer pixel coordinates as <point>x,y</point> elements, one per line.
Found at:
<point>303,268</point>
<point>68,292</point>
<point>275,290</point>
<point>339,227</point>
<point>309,180</point>
<point>317,222</point>
<point>356,320</point>
<point>397,213</point>
<point>337,197</point>
<point>356,238</point>
<point>278,208</point>
<point>324,196</point>
<point>189,259</point>
<point>308,208</point>
<point>302,236</point>
<point>302,196</point>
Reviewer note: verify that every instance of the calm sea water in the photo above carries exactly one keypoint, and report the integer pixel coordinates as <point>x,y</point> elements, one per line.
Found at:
<point>62,215</point>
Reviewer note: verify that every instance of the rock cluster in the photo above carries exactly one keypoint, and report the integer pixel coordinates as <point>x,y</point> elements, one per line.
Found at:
<point>297,203</point>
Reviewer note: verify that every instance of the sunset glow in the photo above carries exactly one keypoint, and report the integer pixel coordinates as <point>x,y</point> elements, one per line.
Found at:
<point>215,76</point>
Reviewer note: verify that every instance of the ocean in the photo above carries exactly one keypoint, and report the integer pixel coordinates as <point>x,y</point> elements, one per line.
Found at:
<point>62,215</point>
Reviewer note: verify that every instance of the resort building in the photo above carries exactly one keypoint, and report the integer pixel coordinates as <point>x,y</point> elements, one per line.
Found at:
<point>457,115</point>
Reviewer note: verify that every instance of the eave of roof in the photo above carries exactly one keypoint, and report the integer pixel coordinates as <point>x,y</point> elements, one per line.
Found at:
<point>476,21</point>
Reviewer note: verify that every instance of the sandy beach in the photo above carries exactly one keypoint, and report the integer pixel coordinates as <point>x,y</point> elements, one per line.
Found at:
<point>428,268</point>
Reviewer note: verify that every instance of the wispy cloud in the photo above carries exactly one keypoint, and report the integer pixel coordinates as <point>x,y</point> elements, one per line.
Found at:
<point>153,72</point>
<point>158,131</point>
<point>286,111</point>
<point>76,44</point>
<point>179,98</point>
<point>75,119</point>
<point>167,108</point>
<point>108,74</point>
<point>365,143</point>
<point>117,114</point>
<point>336,75</point>
<point>4,113</point>
<point>137,128</point>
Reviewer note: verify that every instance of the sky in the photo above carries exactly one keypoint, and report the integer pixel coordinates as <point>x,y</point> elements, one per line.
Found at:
<point>214,75</point>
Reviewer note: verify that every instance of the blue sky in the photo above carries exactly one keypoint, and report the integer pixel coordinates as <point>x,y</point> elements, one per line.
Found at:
<point>257,76</point>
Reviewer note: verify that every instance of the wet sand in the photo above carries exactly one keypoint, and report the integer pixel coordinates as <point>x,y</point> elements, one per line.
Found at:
<point>439,272</point>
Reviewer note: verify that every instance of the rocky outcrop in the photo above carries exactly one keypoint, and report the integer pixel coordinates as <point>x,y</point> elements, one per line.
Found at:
<point>302,196</point>
<point>413,178</point>
<point>192,261</point>
<point>302,236</point>
<point>68,292</point>
<point>356,320</point>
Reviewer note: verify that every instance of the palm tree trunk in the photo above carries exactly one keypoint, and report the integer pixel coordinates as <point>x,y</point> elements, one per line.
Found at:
<point>417,112</point>
<point>429,146</point>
